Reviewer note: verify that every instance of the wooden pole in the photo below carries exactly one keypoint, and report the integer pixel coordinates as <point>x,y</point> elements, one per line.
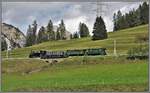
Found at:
<point>115,51</point>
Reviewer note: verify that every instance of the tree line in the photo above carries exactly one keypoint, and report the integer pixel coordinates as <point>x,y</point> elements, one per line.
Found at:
<point>99,30</point>
<point>83,31</point>
<point>48,34</point>
<point>133,18</point>
<point>45,33</point>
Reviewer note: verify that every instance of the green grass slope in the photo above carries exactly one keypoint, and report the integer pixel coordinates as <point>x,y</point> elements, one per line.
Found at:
<point>125,40</point>
<point>105,74</point>
<point>96,73</point>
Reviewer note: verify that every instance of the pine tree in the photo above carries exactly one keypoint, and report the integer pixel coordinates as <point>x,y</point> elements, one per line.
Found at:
<point>83,30</point>
<point>119,16</point>
<point>58,36</point>
<point>132,18</point>
<point>75,35</point>
<point>71,36</point>
<point>31,34</point>
<point>34,29</point>
<point>99,29</point>
<point>62,30</point>
<point>125,24</point>
<point>50,31</point>
<point>137,16</point>
<point>42,35</point>
<point>29,38</point>
<point>144,13</point>
<point>115,22</point>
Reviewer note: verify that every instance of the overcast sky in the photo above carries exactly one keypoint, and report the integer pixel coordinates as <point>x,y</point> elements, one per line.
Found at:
<point>21,14</point>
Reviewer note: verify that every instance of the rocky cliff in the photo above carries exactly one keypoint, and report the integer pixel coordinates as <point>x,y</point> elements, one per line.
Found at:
<point>12,37</point>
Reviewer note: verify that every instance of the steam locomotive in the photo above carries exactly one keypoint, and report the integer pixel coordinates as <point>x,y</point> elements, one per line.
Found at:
<point>67,53</point>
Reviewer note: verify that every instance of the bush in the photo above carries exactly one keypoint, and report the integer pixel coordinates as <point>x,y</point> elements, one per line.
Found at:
<point>138,51</point>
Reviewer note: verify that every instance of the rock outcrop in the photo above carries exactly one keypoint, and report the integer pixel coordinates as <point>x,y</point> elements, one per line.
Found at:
<point>13,37</point>
<point>67,32</point>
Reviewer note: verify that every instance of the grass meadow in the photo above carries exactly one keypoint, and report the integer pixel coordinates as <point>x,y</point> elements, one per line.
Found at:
<point>103,74</point>
<point>96,73</point>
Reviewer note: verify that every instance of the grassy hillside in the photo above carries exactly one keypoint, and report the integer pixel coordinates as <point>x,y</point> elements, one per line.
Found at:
<point>125,40</point>
<point>102,74</point>
<point>95,73</point>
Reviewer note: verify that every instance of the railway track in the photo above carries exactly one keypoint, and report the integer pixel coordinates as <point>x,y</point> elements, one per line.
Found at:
<point>56,58</point>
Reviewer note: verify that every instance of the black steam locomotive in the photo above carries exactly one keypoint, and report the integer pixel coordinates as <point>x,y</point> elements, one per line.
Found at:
<point>67,53</point>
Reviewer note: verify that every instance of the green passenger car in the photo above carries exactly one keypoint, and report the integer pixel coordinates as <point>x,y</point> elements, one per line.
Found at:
<point>92,51</point>
<point>96,51</point>
<point>80,52</point>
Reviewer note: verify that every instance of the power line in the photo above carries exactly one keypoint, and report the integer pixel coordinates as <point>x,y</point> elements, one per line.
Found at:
<point>101,8</point>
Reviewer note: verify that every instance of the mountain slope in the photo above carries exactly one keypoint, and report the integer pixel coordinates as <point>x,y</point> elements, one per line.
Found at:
<point>125,39</point>
<point>14,37</point>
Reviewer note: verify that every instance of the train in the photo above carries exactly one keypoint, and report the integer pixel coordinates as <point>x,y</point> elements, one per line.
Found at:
<point>64,54</point>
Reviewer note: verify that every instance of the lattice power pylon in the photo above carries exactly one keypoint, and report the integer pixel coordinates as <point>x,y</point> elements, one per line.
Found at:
<point>101,8</point>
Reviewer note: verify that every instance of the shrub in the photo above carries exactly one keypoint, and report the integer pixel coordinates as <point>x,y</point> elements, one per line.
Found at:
<point>138,51</point>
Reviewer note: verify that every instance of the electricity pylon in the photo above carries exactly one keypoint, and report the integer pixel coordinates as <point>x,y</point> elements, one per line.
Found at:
<point>101,8</point>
